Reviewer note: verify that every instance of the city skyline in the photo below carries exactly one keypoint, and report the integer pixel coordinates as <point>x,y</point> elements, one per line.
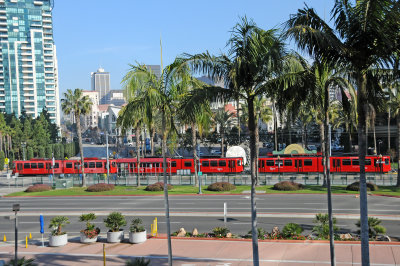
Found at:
<point>113,36</point>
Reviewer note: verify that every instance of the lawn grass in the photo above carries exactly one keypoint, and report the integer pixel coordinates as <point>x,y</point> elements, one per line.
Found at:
<point>122,190</point>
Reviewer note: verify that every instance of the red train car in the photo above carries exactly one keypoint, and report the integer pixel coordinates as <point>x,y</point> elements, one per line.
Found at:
<point>313,164</point>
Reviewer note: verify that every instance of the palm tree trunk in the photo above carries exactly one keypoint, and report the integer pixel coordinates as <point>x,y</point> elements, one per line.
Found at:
<point>350,139</point>
<point>138,155</point>
<point>194,144</point>
<point>252,127</point>
<point>238,118</point>
<point>166,202</point>
<point>398,150</point>
<point>275,128</point>
<point>222,141</point>
<point>328,179</point>
<point>152,133</point>
<point>388,150</point>
<point>305,136</point>
<point>257,135</point>
<point>362,109</point>
<point>322,139</point>
<point>366,140</point>
<point>78,131</point>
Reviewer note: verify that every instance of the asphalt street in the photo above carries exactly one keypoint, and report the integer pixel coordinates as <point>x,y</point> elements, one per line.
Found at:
<point>202,212</point>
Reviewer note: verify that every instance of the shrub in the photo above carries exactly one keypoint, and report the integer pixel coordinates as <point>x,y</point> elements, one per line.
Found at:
<point>90,230</point>
<point>356,186</point>
<point>57,223</point>
<point>291,230</point>
<point>100,187</point>
<point>115,221</point>
<point>322,225</point>
<point>374,227</point>
<point>288,186</point>
<point>38,188</point>
<point>221,186</point>
<point>136,226</point>
<point>21,262</point>
<point>138,262</point>
<point>261,233</point>
<point>220,231</point>
<point>159,186</point>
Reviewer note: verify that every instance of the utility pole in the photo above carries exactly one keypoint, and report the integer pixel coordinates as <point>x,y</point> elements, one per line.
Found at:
<point>16,208</point>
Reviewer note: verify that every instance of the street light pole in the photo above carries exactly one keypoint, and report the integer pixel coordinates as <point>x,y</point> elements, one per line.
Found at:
<point>200,192</point>
<point>16,208</point>
<point>108,163</point>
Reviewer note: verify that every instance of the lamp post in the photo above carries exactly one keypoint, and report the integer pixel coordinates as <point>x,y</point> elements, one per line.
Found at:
<point>199,171</point>
<point>379,146</point>
<point>16,208</point>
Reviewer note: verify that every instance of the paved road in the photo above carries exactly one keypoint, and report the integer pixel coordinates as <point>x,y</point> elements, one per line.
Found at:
<point>203,212</point>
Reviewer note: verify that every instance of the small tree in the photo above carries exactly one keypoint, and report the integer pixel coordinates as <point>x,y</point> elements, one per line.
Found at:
<point>375,227</point>
<point>292,229</point>
<point>90,230</point>
<point>41,152</point>
<point>322,225</point>
<point>115,221</point>
<point>136,226</point>
<point>57,223</point>
<point>57,154</point>
<point>49,151</point>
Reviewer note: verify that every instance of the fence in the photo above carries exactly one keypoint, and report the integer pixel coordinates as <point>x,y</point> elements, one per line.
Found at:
<point>206,179</point>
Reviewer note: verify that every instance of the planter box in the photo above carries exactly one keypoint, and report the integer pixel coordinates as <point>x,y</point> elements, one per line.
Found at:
<point>57,241</point>
<point>85,239</point>
<point>137,238</point>
<point>115,237</point>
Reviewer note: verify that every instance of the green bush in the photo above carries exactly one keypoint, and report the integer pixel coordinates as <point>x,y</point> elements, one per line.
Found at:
<point>2,157</point>
<point>261,233</point>
<point>221,186</point>
<point>288,186</point>
<point>41,152</point>
<point>138,262</point>
<point>115,221</point>
<point>356,186</point>
<point>21,262</point>
<point>220,231</point>
<point>90,231</point>
<point>374,227</point>
<point>322,225</point>
<point>159,186</point>
<point>291,230</point>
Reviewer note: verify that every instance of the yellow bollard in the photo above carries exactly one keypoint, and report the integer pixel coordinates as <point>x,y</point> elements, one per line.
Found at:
<point>104,254</point>
<point>26,241</point>
<point>4,238</point>
<point>30,236</point>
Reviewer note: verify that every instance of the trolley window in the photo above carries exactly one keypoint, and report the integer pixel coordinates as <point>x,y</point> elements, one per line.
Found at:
<point>346,162</point>
<point>278,162</point>
<point>99,165</point>
<point>222,163</point>
<point>41,165</point>
<point>85,164</point>
<point>356,162</point>
<point>113,164</point>
<point>188,164</point>
<point>367,161</point>
<point>34,165</point>
<point>288,163</point>
<point>214,163</point>
<point>270,163</point>
<point>68,165</point>
<point>205,164</point>
<point>387,161</point>
<point>92,165</point>
<point>56,165</point>
<point>239,163</point>
<point>261,164</point>
<point>27,166</point>
<point>19,166</point>
<point>173,164</point>
<point>307,162</point>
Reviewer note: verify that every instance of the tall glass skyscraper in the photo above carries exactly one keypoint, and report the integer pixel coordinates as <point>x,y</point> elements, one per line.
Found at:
<point>28,62</point>
<point>101,84</point>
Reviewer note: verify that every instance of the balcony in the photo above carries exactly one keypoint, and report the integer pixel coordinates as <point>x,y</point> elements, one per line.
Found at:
<point>27,65</point>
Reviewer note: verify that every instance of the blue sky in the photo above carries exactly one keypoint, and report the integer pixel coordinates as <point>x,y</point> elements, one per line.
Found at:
<point>112,34</point>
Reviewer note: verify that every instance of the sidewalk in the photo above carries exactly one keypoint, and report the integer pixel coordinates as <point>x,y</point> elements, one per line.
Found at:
<point>204,252</point>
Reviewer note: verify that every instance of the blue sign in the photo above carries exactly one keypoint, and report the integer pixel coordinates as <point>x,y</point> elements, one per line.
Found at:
<point>41,224</point>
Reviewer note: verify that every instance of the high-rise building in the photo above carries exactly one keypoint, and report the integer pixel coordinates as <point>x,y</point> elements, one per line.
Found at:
<point>28,61</point>
<point>101,84</point>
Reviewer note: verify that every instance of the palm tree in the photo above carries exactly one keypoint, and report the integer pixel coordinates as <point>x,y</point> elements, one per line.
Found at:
<point>253,59</point>
<point>364,36</point>
<point>74,102</point>
<point>164,95</point>
<point>223,121</point>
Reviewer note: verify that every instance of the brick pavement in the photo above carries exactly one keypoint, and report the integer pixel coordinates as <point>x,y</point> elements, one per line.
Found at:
<point>205,252</point>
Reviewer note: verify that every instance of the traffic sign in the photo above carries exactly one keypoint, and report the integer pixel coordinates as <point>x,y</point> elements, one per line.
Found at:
<point>200,173</point>
<point>6,160</point>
